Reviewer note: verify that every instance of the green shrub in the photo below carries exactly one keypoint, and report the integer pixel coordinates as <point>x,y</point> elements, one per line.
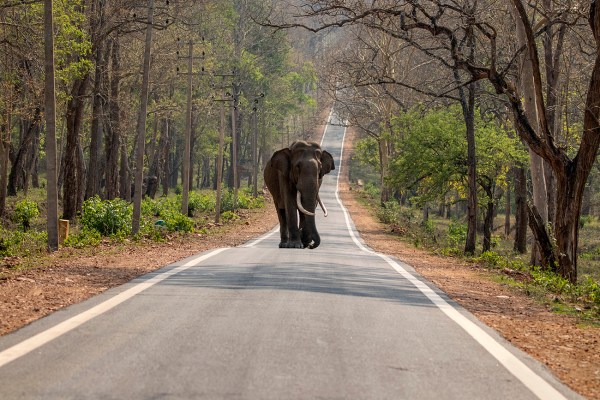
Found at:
<point>25,211</point>
<point>202,202</point>
<point>21,243</point>
<point>389,213</point>
<point>229,216</point>
<point>176,221</point>
<point>84,237</point>
<point>457,234</point>
<point>108,217</point>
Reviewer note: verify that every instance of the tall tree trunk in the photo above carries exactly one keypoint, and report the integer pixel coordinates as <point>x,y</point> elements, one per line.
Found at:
<point>113,126</point>
<point>552,58</point>
<point>521,216</point>
<point>124,173</point>
<point>165,138</point>
<point>536,163</point>
<point>384,161</point>
<point>50,114</point>
<point>141,124</point>
<point>488,221</point>
<point>507,211</point>
<point>73,172</point>
<point>20,167</point>
<point>4,162</point>
<point>99,49</point>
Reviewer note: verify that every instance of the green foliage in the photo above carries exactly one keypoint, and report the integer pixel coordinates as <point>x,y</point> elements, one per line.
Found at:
<point>25,211</point>
<point>229,216</point>
<point>202,202</point>
<point>457,234</point>
<point>20,243</point>
<point>83,238</point>
<point>389,213</point>
<point>177,222</point>
<point>430,157</point>
<point>227,201</point>
<point>108,217</point>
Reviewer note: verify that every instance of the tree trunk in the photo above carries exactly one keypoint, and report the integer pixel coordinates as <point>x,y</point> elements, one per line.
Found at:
<point>488,221</point>
<point>538,177</point>
<point>19,170</point>
<point>113,126</point>
<point>507,211</point>
<point>98,96</point>
<point>73,172</point>
<point>521,215</point>
<point>4,161</point>
<point>141,124</point>
<point>165,138</point>
<point>50,115</point>
<point>124,173</point>
<point>383,170</point>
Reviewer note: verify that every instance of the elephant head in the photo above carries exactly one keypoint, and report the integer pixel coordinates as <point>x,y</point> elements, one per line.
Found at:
<point>293,176</point>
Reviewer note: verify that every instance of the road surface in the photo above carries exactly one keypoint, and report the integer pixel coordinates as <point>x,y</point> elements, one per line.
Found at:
<point>259,322</point>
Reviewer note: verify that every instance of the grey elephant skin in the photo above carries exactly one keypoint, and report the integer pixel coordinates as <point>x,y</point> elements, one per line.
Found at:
<point>293,175</point>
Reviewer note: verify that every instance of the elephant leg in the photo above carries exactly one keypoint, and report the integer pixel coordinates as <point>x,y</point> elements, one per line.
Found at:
<point>294,241</point>
<point>283,228</point>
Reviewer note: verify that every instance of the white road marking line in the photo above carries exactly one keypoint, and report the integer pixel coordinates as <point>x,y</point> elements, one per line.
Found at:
<point>263,237</point>
<point>536,384</point>
<point>36,341</point>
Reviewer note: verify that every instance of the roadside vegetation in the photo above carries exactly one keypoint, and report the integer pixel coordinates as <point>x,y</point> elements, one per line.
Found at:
<point>109,221</point>
<point>446,236</point>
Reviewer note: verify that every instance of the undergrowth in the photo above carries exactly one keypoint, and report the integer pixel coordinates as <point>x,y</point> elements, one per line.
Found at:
<point>111,221</point>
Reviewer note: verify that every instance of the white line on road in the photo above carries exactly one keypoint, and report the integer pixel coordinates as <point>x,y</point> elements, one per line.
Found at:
<point>34,342</point>
<point>536,384</point>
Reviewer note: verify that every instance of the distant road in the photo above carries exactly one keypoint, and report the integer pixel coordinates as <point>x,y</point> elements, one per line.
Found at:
<point>259,322</point>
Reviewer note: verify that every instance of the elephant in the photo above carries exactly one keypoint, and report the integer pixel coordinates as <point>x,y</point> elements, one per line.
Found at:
<point>293,176</point>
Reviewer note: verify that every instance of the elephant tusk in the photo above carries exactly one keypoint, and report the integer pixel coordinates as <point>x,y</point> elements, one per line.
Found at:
<point>322,205</point>
<point>299,204</point>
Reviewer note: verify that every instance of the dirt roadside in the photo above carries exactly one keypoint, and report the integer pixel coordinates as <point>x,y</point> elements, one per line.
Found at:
<point>69,276</point>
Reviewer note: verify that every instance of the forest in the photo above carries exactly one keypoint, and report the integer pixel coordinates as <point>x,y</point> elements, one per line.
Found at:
<point>471,111</point>
<point>151,98</point>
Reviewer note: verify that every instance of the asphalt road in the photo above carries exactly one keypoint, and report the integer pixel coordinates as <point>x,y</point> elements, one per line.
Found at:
<point>259,322</point>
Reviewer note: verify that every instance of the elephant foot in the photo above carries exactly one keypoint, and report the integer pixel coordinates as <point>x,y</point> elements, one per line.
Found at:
<point>291,245</point>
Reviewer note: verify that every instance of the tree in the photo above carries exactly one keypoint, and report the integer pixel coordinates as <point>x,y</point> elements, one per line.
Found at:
<point>417,24</point>
<point>50,116</point>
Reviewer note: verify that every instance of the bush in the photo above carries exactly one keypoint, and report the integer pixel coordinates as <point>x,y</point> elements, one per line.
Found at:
<point>25,211</point>
<point>18,243</point>
<point>85,237</point>
<point>108,217</point>
<point>457,234</point>
<point>389,213</point>
<point>229,215</point>
<point>202,202</point>
<point>176,221</point>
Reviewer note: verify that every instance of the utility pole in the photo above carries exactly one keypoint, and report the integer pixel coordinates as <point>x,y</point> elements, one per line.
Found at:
<point>187,151</point>
<point>141,125</point>
<point>255,145</point>
<point>234,144</point>
<point>223,99</point>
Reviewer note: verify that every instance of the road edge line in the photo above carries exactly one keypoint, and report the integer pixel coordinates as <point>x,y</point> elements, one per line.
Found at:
<point>531,380</point>
<point>28,345</point>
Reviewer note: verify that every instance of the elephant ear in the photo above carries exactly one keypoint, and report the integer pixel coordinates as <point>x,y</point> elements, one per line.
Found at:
<point>326,163</point>
<point>281,161</point>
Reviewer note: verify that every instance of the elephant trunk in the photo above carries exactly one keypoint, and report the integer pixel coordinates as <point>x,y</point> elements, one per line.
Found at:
<point>301,207</point>
<point>310,235</point>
